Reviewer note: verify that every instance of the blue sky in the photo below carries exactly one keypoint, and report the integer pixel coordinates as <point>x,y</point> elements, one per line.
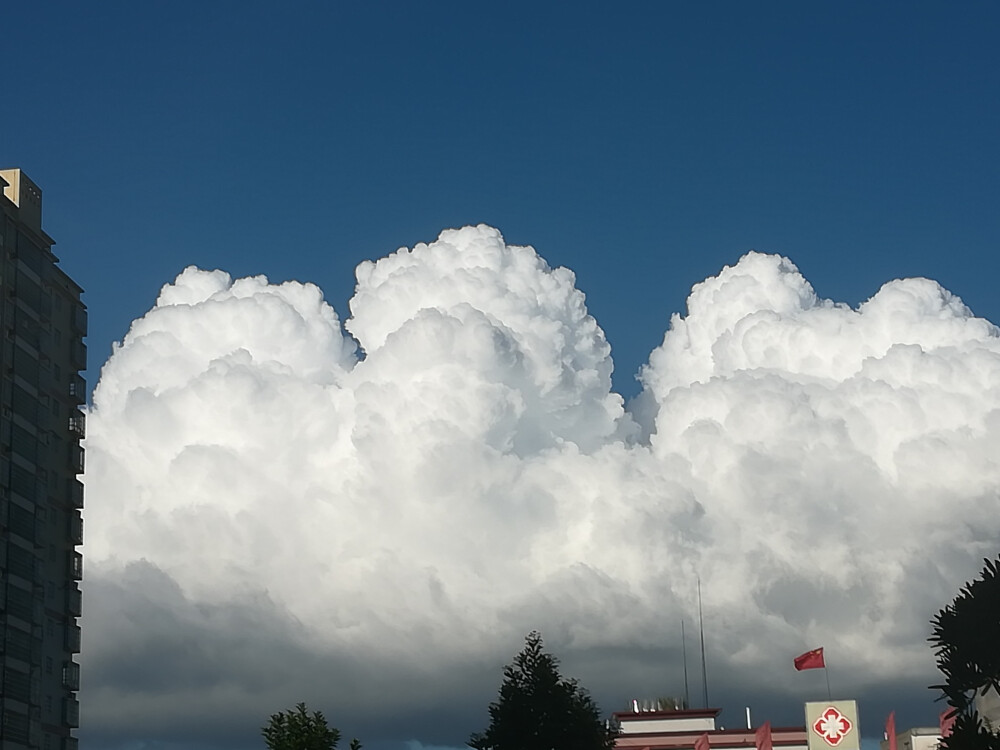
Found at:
<point>644,145</point>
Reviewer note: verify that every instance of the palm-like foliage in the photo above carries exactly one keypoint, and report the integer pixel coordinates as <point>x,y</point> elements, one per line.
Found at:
<point>966,641</point>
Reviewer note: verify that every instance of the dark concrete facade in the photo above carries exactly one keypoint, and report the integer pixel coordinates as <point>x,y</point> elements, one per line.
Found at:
<point>42,326</point>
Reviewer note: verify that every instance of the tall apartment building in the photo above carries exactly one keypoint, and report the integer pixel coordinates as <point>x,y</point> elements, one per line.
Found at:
<point>42,326</point>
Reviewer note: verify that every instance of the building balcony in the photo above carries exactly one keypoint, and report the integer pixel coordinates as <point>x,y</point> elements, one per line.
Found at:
<point>76,458</point>
<point>76,528</point>
<point>73,639</point>
<point>74,601</point>
<point>79,355</point>
<point>71,712</point>
<point>71,675</point>
<point>78,388</point>
<point>80,319</point>
<point>78,425</point>
<point>75,566</point>
<point>74,493</point>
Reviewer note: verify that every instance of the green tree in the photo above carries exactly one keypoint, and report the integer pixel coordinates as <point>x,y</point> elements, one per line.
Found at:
<point>539,710</point>
<point>966,641</point>
<point>297,729</point>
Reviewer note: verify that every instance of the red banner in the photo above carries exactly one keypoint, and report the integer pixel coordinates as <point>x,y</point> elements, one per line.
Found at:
<point>810,660</point>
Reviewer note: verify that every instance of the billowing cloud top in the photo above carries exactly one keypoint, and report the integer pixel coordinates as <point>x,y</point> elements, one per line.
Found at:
<point>268,507</point>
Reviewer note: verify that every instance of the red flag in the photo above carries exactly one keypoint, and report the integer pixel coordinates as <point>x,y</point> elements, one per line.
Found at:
<point>810,660</point>
<point>890,730</point>
<point>762,739</point>
<point>947,721</point>
<point>702,743</point>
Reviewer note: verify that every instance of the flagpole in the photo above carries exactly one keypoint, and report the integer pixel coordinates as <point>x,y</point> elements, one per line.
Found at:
<point>701,626</point>
<point>826,671</point>
<point>687,695</point>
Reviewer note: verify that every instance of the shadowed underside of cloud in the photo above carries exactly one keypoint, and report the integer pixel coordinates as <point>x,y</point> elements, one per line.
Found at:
<point>274,516</point>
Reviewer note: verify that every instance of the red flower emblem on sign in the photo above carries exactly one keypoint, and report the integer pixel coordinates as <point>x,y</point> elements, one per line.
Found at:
<point>832,726</point>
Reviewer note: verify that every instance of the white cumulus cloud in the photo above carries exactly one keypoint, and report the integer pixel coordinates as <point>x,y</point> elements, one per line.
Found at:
<point>276,514</point>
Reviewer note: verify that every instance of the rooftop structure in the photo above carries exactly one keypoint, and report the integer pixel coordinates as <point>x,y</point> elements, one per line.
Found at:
<point>660,730</point>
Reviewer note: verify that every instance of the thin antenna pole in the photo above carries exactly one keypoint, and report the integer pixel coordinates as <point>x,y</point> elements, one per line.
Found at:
<point>701,626</point>
<point>684,651</point>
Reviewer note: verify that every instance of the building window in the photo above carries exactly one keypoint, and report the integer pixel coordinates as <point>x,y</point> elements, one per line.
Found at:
<point>17,684</point>
<point>18,644</point>
<point>15,727</point>
<point>20,603</point>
